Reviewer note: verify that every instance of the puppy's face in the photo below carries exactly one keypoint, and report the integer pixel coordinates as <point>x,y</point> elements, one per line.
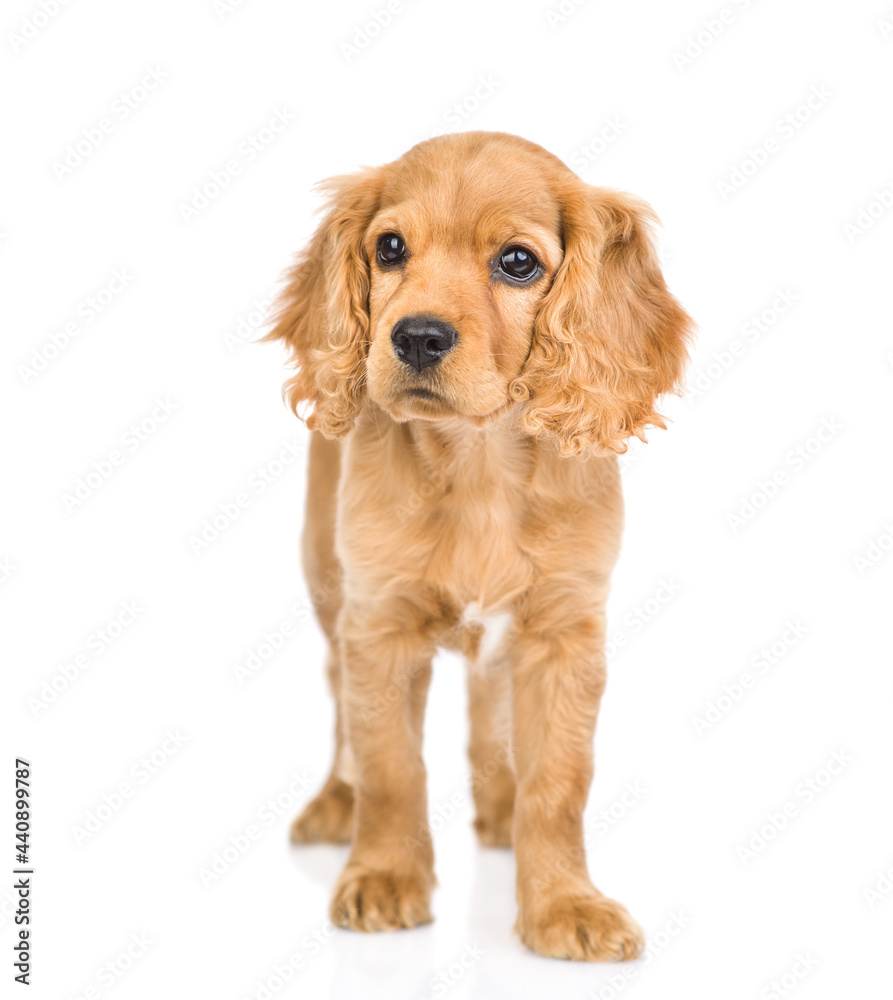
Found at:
<point>478,271</point>
<point>461,253</point>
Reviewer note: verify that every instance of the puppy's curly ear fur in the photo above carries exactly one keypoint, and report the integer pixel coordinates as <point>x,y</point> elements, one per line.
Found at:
<point>323,312</point>
<point>609,338</point>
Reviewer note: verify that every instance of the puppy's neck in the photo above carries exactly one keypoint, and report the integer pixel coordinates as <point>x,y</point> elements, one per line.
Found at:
<point>458,440</point>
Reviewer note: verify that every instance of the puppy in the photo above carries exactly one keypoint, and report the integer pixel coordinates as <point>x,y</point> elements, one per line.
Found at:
<point>476,334</point>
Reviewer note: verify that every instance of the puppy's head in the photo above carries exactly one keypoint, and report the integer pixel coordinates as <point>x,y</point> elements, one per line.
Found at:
<point>477,272</point>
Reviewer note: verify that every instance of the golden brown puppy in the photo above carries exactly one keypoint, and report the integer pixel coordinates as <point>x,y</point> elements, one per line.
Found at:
<point>477,332</point>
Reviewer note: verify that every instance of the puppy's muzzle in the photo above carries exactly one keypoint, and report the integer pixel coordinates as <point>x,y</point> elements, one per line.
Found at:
<point>422,341</point>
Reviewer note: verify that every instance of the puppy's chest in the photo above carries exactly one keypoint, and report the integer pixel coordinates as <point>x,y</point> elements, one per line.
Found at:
<point>471,527</point>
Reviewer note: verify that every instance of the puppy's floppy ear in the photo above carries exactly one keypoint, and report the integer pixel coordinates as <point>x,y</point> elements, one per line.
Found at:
<point>609,338</point>
<point>323,312</point>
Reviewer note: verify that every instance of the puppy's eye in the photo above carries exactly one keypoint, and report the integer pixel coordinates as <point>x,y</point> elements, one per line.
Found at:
<point>518,263</point>
<point>391,249</point>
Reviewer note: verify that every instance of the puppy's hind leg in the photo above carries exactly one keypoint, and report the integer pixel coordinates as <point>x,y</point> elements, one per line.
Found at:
<point>490,750</point>
<point>328,818</point>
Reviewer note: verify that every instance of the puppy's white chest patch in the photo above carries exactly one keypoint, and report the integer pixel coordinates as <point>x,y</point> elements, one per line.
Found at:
<point>495,627</point>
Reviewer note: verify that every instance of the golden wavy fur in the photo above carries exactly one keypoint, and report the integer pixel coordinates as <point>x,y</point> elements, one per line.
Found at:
<point>483,485</point>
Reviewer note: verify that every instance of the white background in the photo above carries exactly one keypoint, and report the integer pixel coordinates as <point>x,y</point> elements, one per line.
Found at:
<point>811,904</point>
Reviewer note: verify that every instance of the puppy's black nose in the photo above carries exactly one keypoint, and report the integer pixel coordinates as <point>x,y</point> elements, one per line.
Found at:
<point>420,341</point>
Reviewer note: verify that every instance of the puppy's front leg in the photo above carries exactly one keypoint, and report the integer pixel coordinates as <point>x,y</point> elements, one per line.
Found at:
<point>559,677</point>
<point>387,668</point>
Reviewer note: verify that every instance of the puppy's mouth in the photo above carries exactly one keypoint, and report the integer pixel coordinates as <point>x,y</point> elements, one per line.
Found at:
<point>418,392</point>
<point>420,401</point>
<point>425,402</point>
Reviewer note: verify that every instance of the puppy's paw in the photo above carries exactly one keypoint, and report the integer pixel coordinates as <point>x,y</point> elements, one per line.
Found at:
<point>366,900</point>
<point>327,819</point>
<point>494,829</point>
<point>587,927</point>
